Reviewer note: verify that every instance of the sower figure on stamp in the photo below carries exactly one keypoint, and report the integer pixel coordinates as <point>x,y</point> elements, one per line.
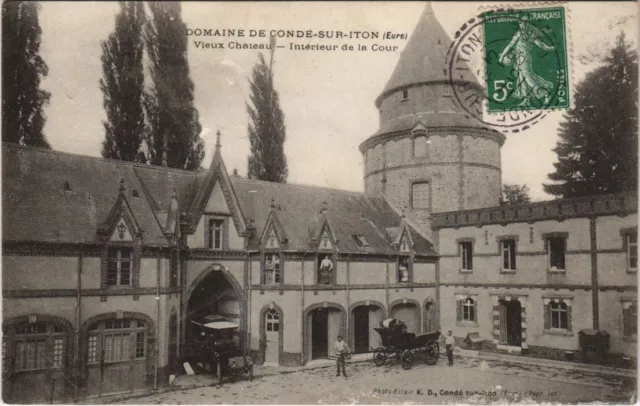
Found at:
<point>449,343</point>
<point>342,351</point>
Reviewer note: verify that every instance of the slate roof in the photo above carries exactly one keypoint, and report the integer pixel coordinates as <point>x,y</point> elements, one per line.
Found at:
<point>37,208</point>
<point>298,209</point>
<point>423,58</point>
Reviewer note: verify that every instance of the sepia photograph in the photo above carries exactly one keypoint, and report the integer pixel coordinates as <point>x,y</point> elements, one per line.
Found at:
<point>319,202</point>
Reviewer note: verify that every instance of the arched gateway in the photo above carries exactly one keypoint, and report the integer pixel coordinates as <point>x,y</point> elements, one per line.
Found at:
<point>215,292</point>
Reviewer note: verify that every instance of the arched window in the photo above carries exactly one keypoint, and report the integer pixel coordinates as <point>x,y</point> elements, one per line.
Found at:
<point>34,346</point>
<point>468,310</point>
<point>117,340</point>
<point>272,321</point>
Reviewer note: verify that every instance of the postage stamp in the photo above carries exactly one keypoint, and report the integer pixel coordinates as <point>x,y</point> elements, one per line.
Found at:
<point>519,60</point>
<point>525,53</point>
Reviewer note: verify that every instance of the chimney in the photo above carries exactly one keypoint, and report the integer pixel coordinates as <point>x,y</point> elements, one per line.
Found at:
<point>324,209</point>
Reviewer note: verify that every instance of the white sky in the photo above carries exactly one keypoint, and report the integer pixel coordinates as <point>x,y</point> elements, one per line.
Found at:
<point>327,97</point>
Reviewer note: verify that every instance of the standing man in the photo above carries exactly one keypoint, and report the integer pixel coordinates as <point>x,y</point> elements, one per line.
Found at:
<point>341,349</point>
<point>449,343</point>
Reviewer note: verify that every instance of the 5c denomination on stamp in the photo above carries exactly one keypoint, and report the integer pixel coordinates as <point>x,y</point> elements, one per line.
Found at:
<point>525,55</point>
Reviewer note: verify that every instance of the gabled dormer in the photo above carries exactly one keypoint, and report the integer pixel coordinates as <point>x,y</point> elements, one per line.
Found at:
<point>403,244</point>
<point>120,225</point>
<point>122,237</point>
<point>272,242</point>
<point>324,241</point>
<point>214,220</point>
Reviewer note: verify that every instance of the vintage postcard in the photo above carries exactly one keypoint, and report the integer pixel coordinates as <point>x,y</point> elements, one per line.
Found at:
<point>319,202</point>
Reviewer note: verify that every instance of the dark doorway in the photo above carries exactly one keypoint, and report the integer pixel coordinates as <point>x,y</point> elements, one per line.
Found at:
<point>319,333</point>
<point>361,329</point>
<point>514,322</point>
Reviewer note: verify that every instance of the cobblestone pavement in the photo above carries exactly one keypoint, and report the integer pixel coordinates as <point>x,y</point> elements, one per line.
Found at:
<point>470,380</point>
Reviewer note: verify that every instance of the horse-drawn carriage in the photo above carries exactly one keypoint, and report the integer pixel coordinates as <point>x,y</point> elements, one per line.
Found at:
<point>399,343</point>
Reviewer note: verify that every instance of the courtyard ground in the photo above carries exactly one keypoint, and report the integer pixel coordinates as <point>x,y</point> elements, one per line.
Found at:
<point>470,380</point>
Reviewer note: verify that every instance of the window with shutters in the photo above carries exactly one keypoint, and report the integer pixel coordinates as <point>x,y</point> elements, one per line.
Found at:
<point>466,313</point>
<point>629,320</point>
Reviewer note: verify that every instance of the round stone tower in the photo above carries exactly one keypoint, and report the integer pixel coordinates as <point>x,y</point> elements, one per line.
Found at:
<point>429,155</point>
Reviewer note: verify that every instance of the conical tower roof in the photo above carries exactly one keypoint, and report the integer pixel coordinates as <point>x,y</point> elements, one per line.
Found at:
<point>424,57</point>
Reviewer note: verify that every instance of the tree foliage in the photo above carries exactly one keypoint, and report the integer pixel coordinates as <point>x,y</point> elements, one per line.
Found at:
<point>171,116</point>
<point>23,69</point>
<point>515,194</point>
<point>267,133</point>
<point>123,85</point>
<point>598,146</point>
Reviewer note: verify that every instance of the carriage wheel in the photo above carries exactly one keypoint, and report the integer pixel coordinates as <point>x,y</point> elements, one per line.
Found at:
<point>379,357</point>
<point>431,353</point>
<point>406,359</point>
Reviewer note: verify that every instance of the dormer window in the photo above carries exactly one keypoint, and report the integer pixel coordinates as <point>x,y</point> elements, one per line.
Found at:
<point>360,240</point>
<point>272,269</point>
<point>405,94</point>
<point>66,186</point>
<point>215,233</point>
<point>404,269</point>
<point>119,266</point>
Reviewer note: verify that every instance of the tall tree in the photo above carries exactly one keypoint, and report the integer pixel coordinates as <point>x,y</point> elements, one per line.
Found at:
<point>266,126</point>
<point>173,123</point>
<point>123,85</point>
<point>598,147</point>
<point>515,194</point>
<point>23,68</point>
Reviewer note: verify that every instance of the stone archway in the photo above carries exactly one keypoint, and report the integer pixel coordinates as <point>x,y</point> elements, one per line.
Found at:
<point>226,289</point>
<point>409,311</point>
<point>363,317</point>
<point>323,323</point>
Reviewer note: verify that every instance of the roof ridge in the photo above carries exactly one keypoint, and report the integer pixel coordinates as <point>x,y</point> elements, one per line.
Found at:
<point>266,182</point>
<point>6,144</point>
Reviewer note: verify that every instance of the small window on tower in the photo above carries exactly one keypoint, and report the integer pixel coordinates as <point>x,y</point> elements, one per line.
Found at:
<point>405,94</point>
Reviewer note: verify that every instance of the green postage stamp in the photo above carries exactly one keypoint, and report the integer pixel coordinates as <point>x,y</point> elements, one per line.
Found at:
<point>525,54</point>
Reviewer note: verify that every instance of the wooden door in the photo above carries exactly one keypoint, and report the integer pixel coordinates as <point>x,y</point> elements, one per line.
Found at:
<point>333,329</point>
<point>272,333</point>
<point>375,317</point>
<point>430,323</point>
<point>503,321</point>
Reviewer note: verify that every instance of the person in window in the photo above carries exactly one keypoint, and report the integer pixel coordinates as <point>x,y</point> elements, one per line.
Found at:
<point>326,266</point>
<point>403,270</point>
<point>342,351</point>
<point>269,267</point>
